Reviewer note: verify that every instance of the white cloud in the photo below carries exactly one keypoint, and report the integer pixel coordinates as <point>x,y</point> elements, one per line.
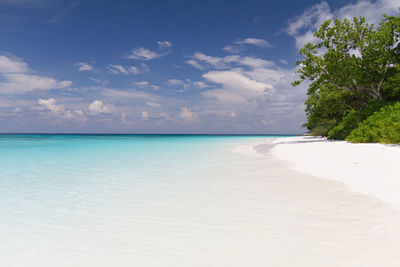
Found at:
<point>133,69</point>
<point>18,83</point>
<point>232,49</point>
<point>200,60</point>
<point>119,69</point>
<point>239,45</point>
<point>250,61</point>
<point>131,94</point>
<point>248,90</point>
<point>188,115</point>
<point>152,104</point>
<point>7,102</point>
<point>236,81</point>
<point>145,68</point>
<point>98,107</point>
<point>254,41</point>
<point>307,37</point>
<point>99,81</point>
<point>9,64</point>
<point>146,84</point>
<point>195,64</point>
<point>142,83</point>
<point>186,84</point>
<point>176,82</point>
<point>164,44</point>
<point>311,17</point>
<point>372,11</point>
<point>144,54</point>
<point>83,66</point>
<point>283,61</point>
<point>145,115</point>
<point>303,26</point>
<point>216,62</point>
<point>18,78</point>
<point>60,113</point>
<point>236,87</point>
<point>50,104</point>
<point>200,84</point>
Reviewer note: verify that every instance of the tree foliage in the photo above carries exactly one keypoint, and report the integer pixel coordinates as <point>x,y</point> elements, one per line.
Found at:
<point>352,120</point>
<point>350,65</point>
<point>382,127</point>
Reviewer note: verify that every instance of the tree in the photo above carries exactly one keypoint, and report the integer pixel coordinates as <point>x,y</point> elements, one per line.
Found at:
<point>350,65</point>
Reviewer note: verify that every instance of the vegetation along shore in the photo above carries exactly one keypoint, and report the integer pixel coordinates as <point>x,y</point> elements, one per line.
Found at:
<point>353,72</point>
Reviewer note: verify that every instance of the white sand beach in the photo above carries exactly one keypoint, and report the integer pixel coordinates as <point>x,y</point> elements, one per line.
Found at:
<point>349,218</point>
<point>371,169</point>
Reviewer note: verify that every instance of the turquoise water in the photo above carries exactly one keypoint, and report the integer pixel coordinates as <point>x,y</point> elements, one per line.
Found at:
<point>65,197</point>
<point>137,200</point>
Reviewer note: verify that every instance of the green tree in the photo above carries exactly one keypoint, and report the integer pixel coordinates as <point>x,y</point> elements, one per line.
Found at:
<point>349,65</point>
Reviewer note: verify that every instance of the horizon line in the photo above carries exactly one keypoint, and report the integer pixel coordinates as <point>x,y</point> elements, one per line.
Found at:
<point>50,133</point>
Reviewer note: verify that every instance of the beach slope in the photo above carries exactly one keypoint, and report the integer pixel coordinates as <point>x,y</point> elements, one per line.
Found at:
<point>371,169</point>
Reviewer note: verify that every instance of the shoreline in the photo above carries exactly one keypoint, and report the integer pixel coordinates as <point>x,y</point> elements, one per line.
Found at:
<point>370,169</point>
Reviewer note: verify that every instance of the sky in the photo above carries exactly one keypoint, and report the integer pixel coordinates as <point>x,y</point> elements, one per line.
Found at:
<point>146,66</point>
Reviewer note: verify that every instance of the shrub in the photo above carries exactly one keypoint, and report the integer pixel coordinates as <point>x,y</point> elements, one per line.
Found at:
<point>383,127</point>
<point>352,120</point>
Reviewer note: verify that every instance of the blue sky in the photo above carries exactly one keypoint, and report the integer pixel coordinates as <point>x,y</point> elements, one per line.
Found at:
<point>159,66</point>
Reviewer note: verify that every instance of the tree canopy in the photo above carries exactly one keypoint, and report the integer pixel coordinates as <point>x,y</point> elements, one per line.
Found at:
<point>350,65</point>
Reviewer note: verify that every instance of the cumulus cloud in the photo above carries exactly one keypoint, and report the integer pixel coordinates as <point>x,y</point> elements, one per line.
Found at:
<point>236,87</point>
<point>187,115</point>
<point>242,79</point>
<point>243,85</point>
<point>10,64</point>
<point>83,66</point>
<point>18,78</point>
<point>237,81</point>
<point>60,113</point>
<point>303,26</point>
<point>98,107</point>
<point>145,54</point>
<point>18,83</point>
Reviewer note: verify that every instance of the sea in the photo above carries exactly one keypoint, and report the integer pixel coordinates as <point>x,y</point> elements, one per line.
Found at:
<point>179,200</point>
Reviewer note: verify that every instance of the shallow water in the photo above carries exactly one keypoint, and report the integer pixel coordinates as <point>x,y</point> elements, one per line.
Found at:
<point>179,201</point>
